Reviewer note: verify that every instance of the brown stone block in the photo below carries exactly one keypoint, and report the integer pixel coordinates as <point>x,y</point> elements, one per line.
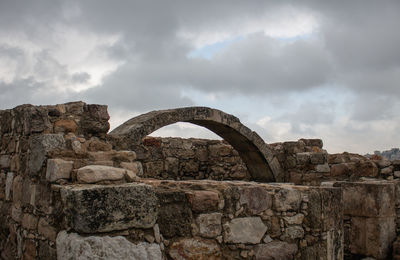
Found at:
<point>65,126</point>
<point>366,169</point>
<point>203,201</point>
<point>29,221</point>
<point>372,236</point>
<point>369,199</point>
<point>30,249</point>
<point>47,230</point>
<point>257,199</point>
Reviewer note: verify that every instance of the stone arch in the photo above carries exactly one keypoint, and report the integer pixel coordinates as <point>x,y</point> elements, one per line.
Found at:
<point>256,154</point>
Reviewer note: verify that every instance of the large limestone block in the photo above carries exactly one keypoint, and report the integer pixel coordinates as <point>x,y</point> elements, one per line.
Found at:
<point>101,208</point>
<point>72,246</point>
<point>372,236</point>
<point>248,230</point>
<point>374,199</point>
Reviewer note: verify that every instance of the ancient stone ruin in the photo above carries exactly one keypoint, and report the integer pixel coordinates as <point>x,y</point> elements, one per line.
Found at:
<point>71,190</point>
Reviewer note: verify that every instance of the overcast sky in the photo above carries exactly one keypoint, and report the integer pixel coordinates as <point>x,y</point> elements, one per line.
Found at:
<point>287,69</point>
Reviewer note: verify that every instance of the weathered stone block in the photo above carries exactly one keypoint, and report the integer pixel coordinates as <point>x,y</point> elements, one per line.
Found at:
<point>174,214</point>
<point>195,248</point>
<point>18,190</point>
<point>203,201</point>
<point>97,173</point>
<point>292,233</point>
<point>303,158</point>
<point>29,221</point>
<point>323,168</point>
<point>209,224</point>
<point>9,184</point>
<point>287,199</point>
<point>58,169</point>
<point>257,199</point>
<point>319,158</point>
<point>373,199</point>
<point>248,230</point>
<point>73,246</point>
<point>4,161</point>
<point>294,220</point>
<point>135,167</point>
<point>275,250</point>
<point>99,208</point>
<point>366,168</point>
<point>40,145</point>
<point>47,230</point>
<point>372,236</point>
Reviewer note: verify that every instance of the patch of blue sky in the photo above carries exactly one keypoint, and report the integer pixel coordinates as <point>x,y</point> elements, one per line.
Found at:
<point>254,107</point>
<point>209,50</point>
<point>307,36</point>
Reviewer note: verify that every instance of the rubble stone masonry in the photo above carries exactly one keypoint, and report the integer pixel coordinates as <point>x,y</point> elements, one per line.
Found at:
<point>68,191</point>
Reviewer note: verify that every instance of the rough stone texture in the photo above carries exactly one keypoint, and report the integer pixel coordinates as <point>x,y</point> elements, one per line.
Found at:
<point>244,230</point>
<point>372,236</point>
<point>135,167</point>
<point>275,250</point>
<point>97,173</point>
<point>195,249</point>
<point>372,199</point>
<point>203,201</point>
<point>58,169</point>
<point>74,246</point>
<point>98,208</point>
<point>257,199</point>
<point>9,184</point>
<point>209,224</point>
<point>40,145</point>
<point>288,199</point>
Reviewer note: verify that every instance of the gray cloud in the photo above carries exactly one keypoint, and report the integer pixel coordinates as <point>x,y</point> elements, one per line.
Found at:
<point>353,50</point>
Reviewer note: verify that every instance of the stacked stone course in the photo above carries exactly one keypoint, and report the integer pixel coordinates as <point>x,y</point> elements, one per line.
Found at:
<point>67,192</point>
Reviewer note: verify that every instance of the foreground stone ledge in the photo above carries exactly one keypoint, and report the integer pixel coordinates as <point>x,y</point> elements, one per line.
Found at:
<point>100,208</point>
<point>74,246</point>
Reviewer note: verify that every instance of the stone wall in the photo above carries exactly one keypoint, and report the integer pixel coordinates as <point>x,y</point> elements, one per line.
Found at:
<point>189,159</point>
<point>65,191</point>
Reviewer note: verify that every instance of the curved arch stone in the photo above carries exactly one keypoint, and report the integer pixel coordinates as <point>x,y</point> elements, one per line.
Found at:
<point>255,153</point>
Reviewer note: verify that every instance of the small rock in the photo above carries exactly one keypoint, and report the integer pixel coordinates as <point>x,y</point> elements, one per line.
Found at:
<point>267,239</point>
<point>149,238</point>
<point>156,230</point>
